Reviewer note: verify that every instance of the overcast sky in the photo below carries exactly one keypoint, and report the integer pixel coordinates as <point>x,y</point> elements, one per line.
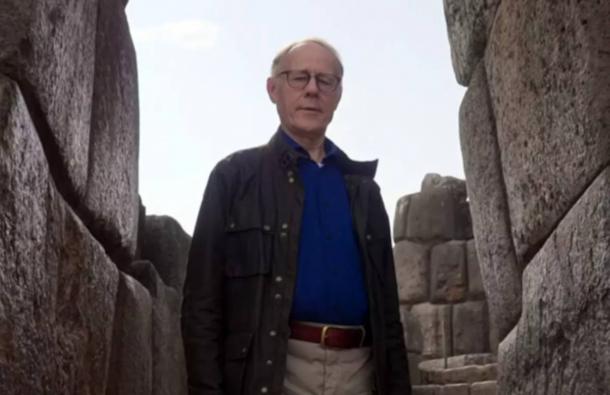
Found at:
<point>202,70</point>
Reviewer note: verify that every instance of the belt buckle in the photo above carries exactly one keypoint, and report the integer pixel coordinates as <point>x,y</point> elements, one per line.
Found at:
<point>325,329</point>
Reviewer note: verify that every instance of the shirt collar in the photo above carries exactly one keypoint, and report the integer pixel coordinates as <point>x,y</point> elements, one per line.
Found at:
<point>330,149</point>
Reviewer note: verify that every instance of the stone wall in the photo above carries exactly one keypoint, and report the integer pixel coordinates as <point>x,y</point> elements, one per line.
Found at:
<point>443,304</point>
<point>81,312</point>
<point>535,134</point>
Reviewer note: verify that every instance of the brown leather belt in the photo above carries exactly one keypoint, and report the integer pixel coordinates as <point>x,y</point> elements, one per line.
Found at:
<point>335,336</point>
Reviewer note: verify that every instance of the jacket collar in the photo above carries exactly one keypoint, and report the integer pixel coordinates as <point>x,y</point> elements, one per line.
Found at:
<point>287,157</point>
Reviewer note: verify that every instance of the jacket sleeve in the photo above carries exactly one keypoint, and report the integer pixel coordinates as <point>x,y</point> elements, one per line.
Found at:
<point>398,374</point>
<point>202,304</point>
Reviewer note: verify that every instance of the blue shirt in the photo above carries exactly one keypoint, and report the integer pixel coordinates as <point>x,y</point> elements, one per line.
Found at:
<point>330,281</point>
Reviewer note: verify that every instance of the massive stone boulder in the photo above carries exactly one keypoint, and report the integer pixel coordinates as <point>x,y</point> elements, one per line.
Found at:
<point>488,205</point>
<point>549,83</point>
<point>75,65</point>
<point>57,286</point>
<point>166,245</point>
<point>468,25</point>
<point>111,200</point>
<point>562,341</point>
<point>535,134</point>
<point>48,47</point>
<point>76,317</point>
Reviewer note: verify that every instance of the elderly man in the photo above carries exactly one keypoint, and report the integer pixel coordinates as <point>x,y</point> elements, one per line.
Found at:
<point>290,285</point>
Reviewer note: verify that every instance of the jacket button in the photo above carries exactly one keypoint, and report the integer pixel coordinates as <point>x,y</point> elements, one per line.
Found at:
<point>283,234</point>
<point>277,296</point>
<point>369,237</point>
<point>244,350</point>
<point>264,390</point>
<point>291,180</point>
<point>266,228</point>
<point>269,362</point>
<point>278,279</point>
<point>232,225</point>
<point>284,226</point>
<point>272,333</point>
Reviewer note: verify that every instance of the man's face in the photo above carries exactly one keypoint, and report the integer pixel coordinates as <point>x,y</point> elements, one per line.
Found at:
<point>305,112</point>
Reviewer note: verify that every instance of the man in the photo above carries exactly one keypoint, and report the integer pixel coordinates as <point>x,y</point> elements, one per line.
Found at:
<point>290,285</point>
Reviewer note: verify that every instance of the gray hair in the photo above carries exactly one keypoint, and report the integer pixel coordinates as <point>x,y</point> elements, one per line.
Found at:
<point>278,58</point>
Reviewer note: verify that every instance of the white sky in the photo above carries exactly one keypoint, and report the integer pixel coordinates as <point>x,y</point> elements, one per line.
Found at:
<point>202,71</point>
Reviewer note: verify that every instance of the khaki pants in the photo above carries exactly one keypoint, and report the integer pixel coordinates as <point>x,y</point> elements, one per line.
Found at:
<point>312,369</point>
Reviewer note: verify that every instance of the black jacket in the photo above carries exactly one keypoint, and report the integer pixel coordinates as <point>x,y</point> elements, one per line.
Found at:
<point>242,268</point>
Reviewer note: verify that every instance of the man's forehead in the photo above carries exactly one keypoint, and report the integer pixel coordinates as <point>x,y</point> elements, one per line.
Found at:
<point>310,51</point>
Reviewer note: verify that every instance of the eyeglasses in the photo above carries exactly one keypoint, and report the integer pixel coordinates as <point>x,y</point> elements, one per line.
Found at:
<point>298,79</point>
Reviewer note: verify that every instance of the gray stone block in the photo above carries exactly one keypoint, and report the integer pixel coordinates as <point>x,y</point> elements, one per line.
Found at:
<point>131,361</point>
<point>426,390</point>
<point>468,25</point>
<point>48,47</point>
<point>169,367</point>
<point>439,213</point>
<point>561,341</point>
<point>470,328</point>
<point>57,286</point>
<point>414,373</point>
<point>457,375</point>
<point>111,200</point>
<point>455,389</point>
<point>547,67</point>
<point>400,219</point>
<point>483,388</point>
<point>414,340</point>
<point>412,266</point>
<point>448,281</point>
<point>497,261</point>
<point>475,282</point>
<point>435,323</point>
<point>166,245</point>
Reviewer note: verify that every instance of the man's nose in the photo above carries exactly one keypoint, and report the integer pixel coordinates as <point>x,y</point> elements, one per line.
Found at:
<point>312,85</point>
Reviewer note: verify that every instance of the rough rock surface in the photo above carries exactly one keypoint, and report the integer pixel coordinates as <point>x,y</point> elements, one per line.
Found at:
<point>468,24</point>
<point>488,205</point>
<point>112,187</point>
<point>448,280</point>
<point>412,267</point>
<point>562,343</point>
<point>400,219</point>
<point>439,211</point>
<point>48,47</point>
<point>475,282</point>
<point>435,323</point>
<point>166,245</point>
<point>57,286</point>
<point>483,388</point>
<point>413,332</point>
<point>131,359</point>
<point>470,328</point>
<point>547,66</point>
<point>169,368</point>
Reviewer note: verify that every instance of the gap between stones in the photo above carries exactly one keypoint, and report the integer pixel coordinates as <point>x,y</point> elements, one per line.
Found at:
<point>57,172</point>
<point>532,251</point>
<point>498,163</point>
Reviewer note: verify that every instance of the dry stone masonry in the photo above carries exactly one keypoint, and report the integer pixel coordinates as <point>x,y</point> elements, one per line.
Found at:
<point>90,288</point>
<point>535,135</point>
<point>443,303</point>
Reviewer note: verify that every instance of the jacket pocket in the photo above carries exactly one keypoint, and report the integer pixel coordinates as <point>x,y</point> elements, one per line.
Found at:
<point>248,250</point>
<point>236,349</point>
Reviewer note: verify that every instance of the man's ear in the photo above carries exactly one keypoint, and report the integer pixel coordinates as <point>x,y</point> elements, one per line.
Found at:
<point>272,89</point>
